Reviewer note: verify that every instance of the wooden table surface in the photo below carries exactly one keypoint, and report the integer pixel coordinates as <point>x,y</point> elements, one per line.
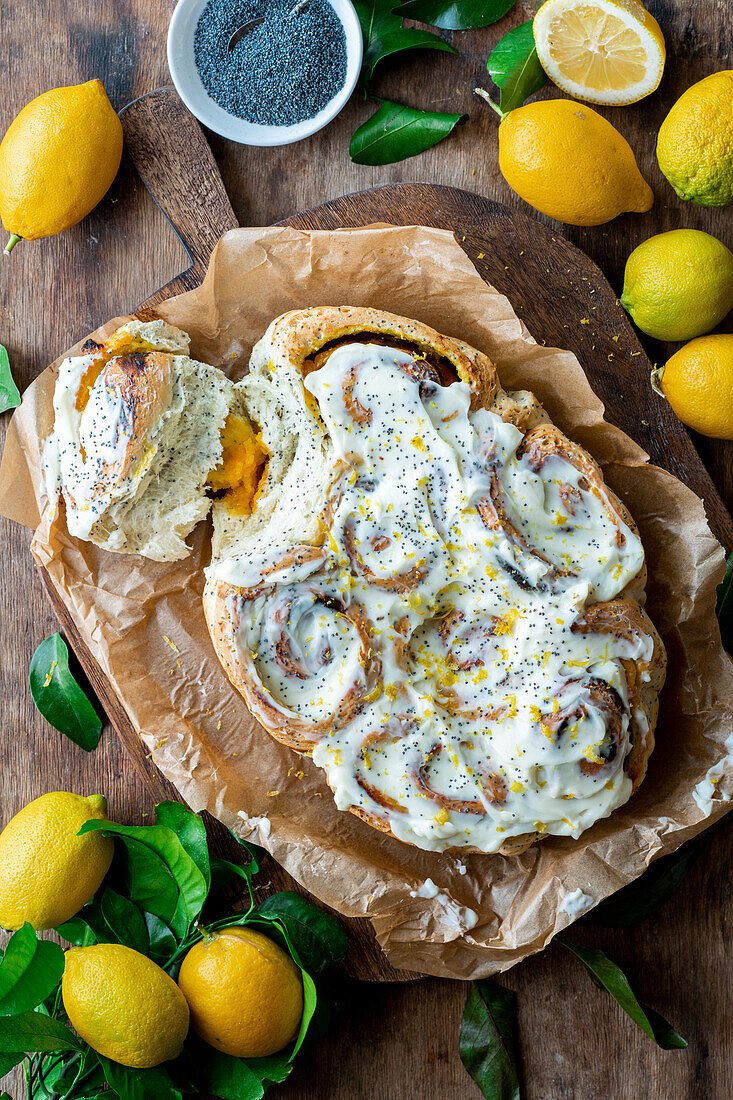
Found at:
<point>387,1041</point>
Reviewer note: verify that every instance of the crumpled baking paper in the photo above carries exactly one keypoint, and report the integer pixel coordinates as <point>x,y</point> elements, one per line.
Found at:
<point>460,917</point>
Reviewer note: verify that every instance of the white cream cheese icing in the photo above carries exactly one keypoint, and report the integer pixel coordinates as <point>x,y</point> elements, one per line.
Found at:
<point>432,647</point>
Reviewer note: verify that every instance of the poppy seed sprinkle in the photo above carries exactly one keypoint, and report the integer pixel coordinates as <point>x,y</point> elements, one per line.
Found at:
<point>283,71</point>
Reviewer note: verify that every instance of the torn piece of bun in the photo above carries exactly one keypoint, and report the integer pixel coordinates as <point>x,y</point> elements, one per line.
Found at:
<point>137,432</point>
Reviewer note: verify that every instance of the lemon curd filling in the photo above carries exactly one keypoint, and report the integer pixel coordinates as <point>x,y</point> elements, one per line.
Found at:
<point>243,462</point>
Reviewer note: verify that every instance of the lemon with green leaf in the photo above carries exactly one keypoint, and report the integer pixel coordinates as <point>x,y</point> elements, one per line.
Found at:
<point>47,872</point>
<point>123,1005</point>
<point>245,993</point>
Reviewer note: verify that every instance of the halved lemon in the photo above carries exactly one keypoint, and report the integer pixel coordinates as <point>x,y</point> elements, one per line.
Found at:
<point>600,51</point>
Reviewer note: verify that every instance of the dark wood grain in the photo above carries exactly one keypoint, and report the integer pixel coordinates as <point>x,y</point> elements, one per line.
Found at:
<point>174,161</point>
<point>391,1042</point>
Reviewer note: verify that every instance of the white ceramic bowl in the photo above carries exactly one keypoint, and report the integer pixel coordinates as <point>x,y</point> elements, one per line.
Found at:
<point>191,90</point>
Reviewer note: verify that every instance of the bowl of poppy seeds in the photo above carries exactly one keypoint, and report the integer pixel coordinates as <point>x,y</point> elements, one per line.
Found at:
<point>280,79</point>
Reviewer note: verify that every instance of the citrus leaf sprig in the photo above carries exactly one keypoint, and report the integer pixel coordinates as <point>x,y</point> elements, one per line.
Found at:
<point>58,696</point>
<point>384,35</point>
<point>164,892</point>
<point>607,975</point>
<point>455,15</point>
<point>488,1040</point>
<point>395,132</point>
<point>9,394</point>
<point>515,68</point>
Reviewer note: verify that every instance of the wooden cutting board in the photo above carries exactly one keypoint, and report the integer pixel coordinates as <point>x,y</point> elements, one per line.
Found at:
<point>560,294</point>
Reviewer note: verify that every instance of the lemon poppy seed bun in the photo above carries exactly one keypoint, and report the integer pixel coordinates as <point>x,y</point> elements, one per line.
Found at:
<point>137,431</point>
<point>434,593</point>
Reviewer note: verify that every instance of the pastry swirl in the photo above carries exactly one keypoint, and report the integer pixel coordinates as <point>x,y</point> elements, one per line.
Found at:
<point>462,653</point>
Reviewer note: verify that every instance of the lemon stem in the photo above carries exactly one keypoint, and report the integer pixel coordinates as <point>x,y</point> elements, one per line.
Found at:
<point>485,95</point>
<point>12,241</point>
<point>656,378</point>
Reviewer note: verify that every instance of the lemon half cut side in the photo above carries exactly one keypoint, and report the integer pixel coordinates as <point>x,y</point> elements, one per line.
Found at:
<point>601,51</point>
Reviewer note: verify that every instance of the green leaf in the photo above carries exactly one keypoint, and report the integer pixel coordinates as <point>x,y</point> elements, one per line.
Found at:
<point>615,982</point>
<point>190,830</point>
<point>34,1031</point>
<point>488,1040</point>
<point>642,898</point>
<point>9,395</point>
<point>226,1077</point>
<point>77,931</point>
<point>275,1068</point>
<point>163,943</point>
<point>223,871</point>
<point>27,982</point>
<point>397,41</point>
<point>145,879</point>
<point>515,68</point>
<point>58,696</point>
<point>384,34</point>
<point>318,938</point>
<point>18,955</point>
<point>8,1062</point>
<point>98,931</point>
<point>255,853</point>
<point>455,15</point>
<point>56,1074</point>
<point>310,1001</point>
<point>164,843</point>
<point>140,1084</point>
<point>724,605</point>
<point>276,928</point>
<point>395,133</point>
<point>125,921</point>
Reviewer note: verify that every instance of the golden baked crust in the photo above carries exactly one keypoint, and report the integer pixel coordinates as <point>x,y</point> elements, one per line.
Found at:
<point>297,337</point>
<point>141,382</point>
<point>298,340</point>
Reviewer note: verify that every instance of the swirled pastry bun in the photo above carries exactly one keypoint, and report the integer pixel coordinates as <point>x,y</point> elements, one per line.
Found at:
<point>137,431</point>
<point>435,594</point>
<point>296,483</point>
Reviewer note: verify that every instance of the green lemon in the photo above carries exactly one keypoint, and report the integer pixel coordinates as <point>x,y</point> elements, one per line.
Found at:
<point>695,143</point>
<point>678,285</point>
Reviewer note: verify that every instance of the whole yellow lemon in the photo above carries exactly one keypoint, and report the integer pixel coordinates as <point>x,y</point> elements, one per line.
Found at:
<point>123,1005</point>
<point>245,993</point>
<point>58,160</point>
<point>568,162</point>
<point>47,872</point>
<point>678,284</point>
<point>698,383</point>
<point>695,142</point>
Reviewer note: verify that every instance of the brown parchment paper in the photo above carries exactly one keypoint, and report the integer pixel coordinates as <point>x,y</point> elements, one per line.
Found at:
<point>199,731</point>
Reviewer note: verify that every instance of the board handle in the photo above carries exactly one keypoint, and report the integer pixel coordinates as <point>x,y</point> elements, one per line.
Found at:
<point>168,148</point>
